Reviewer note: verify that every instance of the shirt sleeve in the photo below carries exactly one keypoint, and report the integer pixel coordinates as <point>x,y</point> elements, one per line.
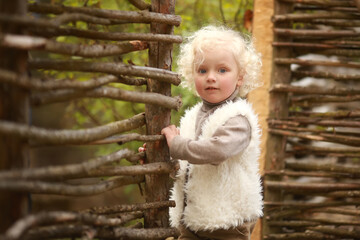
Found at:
<point>227,141</point>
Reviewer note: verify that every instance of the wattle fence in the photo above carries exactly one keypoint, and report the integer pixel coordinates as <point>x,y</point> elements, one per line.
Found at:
<point>312,175</point>
<point>36,27</point>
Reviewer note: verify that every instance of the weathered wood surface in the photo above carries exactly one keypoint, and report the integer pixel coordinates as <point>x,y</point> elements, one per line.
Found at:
<point>322,130</point>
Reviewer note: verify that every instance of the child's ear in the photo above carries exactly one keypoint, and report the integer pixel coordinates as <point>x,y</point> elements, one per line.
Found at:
<point>239,81</point>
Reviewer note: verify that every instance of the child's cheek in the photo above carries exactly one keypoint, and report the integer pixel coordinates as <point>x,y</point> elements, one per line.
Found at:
<point>198,86</point>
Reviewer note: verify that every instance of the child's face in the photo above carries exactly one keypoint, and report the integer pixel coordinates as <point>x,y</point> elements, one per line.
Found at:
<point>217,77</point>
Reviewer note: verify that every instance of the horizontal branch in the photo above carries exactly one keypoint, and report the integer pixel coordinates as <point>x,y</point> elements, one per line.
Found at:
<point>351,53</point>
<point>309,205</point>
<point>331,221</point>
<point>146,234</point>
<point>290,209</point>
<point>77,231</point>
<point>43,27</point>
<point>39,187</point>
<point>108,67</point>
<point>135,17</point>
<point>335,114</point>
<point>323,99</point>
<point>298,235</point>
<point>310,187</point>
<point>314,90</point>
<point>140,4</point>
<point>308,174</point>
<point>332,135</point>
<point>315,33</point>
<point>303,62</point>
<point>40,84</point>
<point>327,167</point>
<point>57,231</point>
<point>335,138</point>
<point>338,232</point>
<point>327,3</point>
<point>18,229</point>
<point>338,210</point>
<point>315,45</point>
<point>304,17</point>
<point>75,17</point>
<point>111,36</point>
<point>296,121</point>
<point>339,22</point>
<point>121,139</point>
<point>280,210</point>
<point>71,136</point>
<point>130,207</point>
<point>150,168</point>
<point>302,7</point>
<point>322,154</point>
<point>349,194</point>
<point>293,223</point>
<point>108,92</point>
<point>344,194</point>
<point>94,50</point>
<point>329,75</point>
<point>65,171</point>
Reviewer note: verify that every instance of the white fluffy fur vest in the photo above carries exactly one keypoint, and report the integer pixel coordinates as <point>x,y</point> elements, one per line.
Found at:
<point>224,195</point>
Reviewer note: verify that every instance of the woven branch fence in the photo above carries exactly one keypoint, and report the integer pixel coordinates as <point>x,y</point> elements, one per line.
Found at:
<point>312,175</point>
<point>21,32</point>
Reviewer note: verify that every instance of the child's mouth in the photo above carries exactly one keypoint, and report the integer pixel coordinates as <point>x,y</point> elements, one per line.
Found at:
<point>210,88</point>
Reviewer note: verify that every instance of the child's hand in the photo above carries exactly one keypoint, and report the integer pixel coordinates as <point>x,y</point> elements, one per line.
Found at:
<point>142,149</point>
<point>170,132</point>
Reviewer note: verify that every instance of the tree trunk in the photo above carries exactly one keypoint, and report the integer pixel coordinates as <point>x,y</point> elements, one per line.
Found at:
<point>14,106</point>
<point>157,186</point>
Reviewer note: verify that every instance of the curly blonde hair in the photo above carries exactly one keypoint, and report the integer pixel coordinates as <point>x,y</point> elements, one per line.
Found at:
<point>213,37</point>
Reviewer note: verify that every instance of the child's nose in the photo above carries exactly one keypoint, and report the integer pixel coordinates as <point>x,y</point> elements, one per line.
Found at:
<point>211,76</point>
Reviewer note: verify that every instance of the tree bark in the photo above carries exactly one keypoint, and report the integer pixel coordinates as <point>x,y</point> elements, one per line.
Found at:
<point>14,107</point>
<point>160,56</point>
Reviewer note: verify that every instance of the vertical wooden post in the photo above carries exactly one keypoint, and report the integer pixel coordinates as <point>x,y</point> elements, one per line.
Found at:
<point>278,108</point>
<point>263,35</point>
<point>14,106</point>
<point>157,186</point>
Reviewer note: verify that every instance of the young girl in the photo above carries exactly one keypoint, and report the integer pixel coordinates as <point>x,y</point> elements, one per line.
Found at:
<point>217,189</point>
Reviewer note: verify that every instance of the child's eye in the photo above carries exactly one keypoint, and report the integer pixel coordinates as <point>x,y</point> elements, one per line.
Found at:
<point>202,71</point>
<point>222,70</point>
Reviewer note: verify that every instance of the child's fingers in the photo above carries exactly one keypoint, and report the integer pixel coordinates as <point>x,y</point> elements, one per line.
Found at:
<point>142,149</point>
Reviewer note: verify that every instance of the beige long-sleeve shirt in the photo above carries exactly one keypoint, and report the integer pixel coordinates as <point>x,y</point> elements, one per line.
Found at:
<point>228,140</point>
